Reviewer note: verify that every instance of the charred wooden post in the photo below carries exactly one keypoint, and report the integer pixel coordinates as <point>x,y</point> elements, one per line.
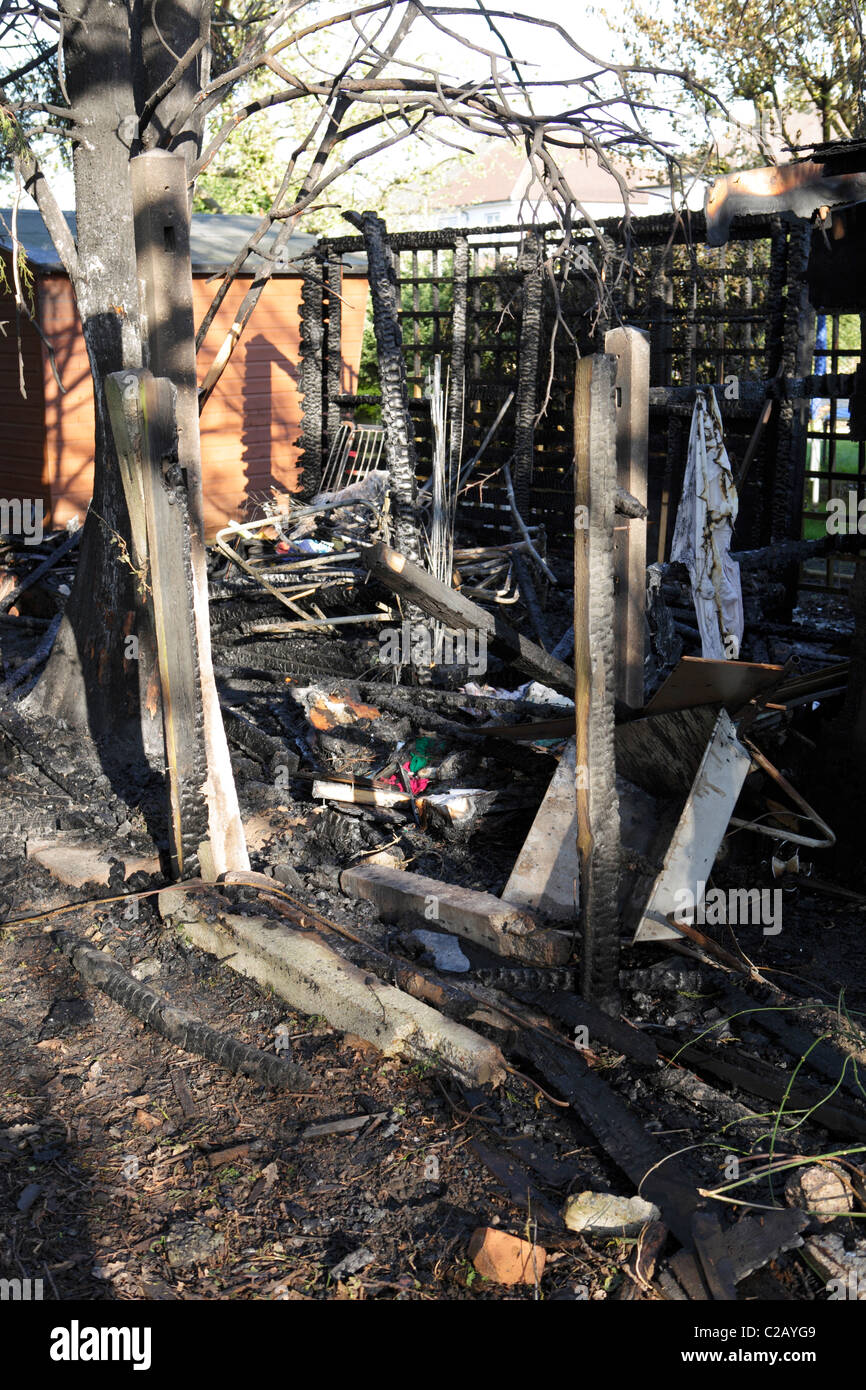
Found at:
<point>142,410</point>
<point>631,349</point>
<point>520,495</point>
<point>311,384</point>
<point>674,463</point>
<point>457,397</point>
<point>400,449</point>
<point>795,345</point>
<point>162,221</point>
<point>661,317</point>
<point>333,346</point>
<point>526,405</point>
<point>598,843</point>
<point>400,452</point>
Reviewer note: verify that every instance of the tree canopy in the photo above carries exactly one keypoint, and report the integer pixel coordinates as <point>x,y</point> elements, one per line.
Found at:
<point>785,56</point>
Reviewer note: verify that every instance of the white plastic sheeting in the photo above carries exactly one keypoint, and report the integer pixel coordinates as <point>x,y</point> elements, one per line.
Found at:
<point>704,530</point>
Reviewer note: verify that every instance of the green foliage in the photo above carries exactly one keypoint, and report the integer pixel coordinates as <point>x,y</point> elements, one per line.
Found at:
<point>40,84</point>
<point>246,175</point>
<point>849,336</point>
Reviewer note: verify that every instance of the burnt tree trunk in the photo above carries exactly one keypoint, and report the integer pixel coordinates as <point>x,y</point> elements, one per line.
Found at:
<point>114,62</point>
<point>90,681</point>
<point>116,65</point>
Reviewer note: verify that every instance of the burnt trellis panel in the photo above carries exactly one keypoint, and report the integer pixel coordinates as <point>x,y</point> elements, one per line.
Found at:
<point>713,315</point>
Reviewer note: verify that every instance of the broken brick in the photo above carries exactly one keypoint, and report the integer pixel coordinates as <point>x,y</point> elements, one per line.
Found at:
<point>505,1259</point>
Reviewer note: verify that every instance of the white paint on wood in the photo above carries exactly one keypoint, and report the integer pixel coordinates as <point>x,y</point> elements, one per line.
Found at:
<point>546,873</point>
<point>701,829</point>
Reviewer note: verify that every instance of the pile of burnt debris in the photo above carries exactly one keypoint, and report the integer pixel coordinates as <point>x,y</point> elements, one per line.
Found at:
<point>432,823</point>
<point>610,860</point>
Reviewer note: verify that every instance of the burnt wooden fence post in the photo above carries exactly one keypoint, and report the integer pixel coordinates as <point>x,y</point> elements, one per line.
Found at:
<point>333,348</point>
<point>598,843</point>
<point>312,372</point>
<point>161,210</point>
<point>142,410</point>
<point>526,404</point>
<point>400,450</point>
<point>457,397</point>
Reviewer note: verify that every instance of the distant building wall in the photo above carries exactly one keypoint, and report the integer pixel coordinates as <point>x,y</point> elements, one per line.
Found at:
<point>250,426</point>
<point>22,436</point>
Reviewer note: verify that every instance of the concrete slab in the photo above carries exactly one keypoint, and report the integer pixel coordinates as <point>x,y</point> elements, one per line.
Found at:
<point>77,863</point>
<point>311,977</point>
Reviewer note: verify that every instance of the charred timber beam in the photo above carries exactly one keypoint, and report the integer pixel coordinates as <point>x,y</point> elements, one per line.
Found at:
<point>757,1077</point>
<point>691,227</point>
<point>499,926</point>
<point>492,391</point>
<point>407,579</point>
<point>631,349</point>
<point>775,557</point>
<point>660,1176</point>
<point>747,397</point>
<point>183,1029</point>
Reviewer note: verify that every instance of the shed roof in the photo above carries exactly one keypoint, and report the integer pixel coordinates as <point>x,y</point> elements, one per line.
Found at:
<point>500,174</point>
<point>215,240</point>
<point>849,155</point>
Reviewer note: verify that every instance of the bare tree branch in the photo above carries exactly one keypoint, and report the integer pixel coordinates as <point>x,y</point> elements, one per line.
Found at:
<point>171,81</point>
<point>37,186</point>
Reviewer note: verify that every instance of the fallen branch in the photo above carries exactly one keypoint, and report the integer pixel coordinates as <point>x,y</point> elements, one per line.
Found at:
<point>42,653</point>
<point>72,539</point>
<point>179,1027</point>
<point>521,525</point>
<point>403,577</point>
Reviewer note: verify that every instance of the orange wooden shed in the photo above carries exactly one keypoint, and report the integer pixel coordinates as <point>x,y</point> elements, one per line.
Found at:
<point>250,427</point>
